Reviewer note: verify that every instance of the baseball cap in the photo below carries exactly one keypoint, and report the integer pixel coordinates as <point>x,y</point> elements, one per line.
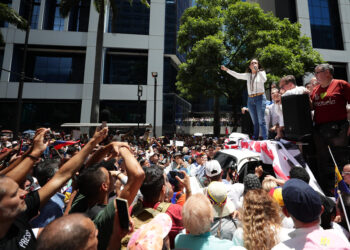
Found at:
<point>177,154</point>
<point>301,200</point>
<point>212,168</point>
<point>217,194</point>
<point>151,235</point>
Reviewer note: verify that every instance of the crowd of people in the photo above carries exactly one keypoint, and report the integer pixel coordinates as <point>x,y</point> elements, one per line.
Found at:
<point>56,193</point>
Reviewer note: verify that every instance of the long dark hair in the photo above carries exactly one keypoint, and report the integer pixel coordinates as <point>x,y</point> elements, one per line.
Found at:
<point>248,70</point>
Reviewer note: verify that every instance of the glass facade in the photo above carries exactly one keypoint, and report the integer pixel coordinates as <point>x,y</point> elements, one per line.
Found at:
<point>125,67</point>
<point>173,12</point>
<point>24,12</point>
<point>325,24</point>
<point>125,111</point>
<point>1,58</point>
<point>50,65</point>
<point>340,71</point>
<point>52,17</point>
<point>79,17</point>
<point>170,73</point>
<point>175,111</point>
<point>38,113</point>
<point>130,18</point>
<point>286,9</point>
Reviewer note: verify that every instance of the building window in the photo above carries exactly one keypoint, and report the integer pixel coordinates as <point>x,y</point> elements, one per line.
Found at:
<point>286,9</point>
<point>79,17</point>
<point>51,65</point>
<point>39,113</point>
<point>24,12</point>
<point>130,19</point>
<point>170,28</point>
<point>340,71</point>
<point>170,73</point>
<point>1,58</point>
<point>136,112</point>
<point>125,67</point>
<point>325,24</point>
<point>53,19</point>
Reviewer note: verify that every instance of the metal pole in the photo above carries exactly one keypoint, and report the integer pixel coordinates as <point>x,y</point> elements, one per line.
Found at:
<point>155,106</point>
<point>139,94</point>
<point>24,64</point>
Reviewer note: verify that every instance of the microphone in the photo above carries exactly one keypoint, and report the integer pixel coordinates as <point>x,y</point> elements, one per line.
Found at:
<point>256,68</point>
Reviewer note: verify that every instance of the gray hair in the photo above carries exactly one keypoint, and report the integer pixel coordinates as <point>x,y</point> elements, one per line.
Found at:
<point>325,66</point>
<point>197,214</point>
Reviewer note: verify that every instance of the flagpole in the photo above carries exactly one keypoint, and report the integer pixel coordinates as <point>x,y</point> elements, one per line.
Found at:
<point>344,211</point>
<point>330,151</point>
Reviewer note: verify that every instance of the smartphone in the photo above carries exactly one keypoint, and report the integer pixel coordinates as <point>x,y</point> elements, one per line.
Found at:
<point>176,173</point>
<point>123,213</point>
<point>104,124</point>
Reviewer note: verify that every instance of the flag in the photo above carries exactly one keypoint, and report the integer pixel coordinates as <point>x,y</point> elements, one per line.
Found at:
<point>282,156</point>
<point>339,183</point>
<point>226,131</point>
<point>60,144</point>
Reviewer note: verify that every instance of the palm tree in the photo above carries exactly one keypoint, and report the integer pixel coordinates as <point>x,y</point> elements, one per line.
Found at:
<point>65,8</point>
<point>9,15</point>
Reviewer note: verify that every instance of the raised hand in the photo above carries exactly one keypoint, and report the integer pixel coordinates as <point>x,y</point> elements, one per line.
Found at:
<point>223,68</point>
<point>117,145</point>
<point>39,144</point>
<point>100,135</point>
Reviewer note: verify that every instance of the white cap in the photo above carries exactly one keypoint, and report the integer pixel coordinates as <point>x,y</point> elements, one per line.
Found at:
<point>212,168</point>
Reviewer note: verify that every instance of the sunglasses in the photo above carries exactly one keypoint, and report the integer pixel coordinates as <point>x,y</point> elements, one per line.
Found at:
<point>345,173</point>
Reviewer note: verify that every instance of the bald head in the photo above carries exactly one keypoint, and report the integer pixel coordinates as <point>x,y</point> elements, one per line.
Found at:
<point>73,232</point>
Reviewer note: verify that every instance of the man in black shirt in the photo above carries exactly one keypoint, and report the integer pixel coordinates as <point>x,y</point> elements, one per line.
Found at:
<point>16,209</point>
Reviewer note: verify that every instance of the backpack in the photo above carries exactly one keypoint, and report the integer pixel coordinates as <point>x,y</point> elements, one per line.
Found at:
<point>141,215</point>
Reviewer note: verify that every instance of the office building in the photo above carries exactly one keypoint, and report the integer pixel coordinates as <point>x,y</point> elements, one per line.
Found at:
<point>61,61</point>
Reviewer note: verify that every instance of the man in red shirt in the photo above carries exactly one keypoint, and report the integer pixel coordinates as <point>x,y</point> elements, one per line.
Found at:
<point>329,100</point>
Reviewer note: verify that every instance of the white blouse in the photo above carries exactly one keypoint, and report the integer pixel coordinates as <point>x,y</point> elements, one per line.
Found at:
<point>253,87</point>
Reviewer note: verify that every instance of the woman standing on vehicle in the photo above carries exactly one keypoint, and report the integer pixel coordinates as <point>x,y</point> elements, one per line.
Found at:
<point>255,77</point>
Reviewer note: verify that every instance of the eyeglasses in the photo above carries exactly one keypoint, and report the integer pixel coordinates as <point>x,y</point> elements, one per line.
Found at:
<point>317,72</point>
<point>345,173</point>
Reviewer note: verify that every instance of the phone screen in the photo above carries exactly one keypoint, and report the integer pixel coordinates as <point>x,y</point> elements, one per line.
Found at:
<point>123,213</point>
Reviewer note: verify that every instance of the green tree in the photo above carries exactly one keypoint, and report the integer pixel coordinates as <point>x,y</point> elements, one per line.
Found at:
<point>232,32</point>
<point>9,15</point>
<point>100,5</point>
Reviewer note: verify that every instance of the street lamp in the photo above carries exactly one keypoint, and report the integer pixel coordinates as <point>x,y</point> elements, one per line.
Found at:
<point>155,75</point>
<point>139,94</point>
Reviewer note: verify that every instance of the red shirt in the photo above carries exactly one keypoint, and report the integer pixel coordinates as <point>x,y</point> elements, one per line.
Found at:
<point>330,102</point>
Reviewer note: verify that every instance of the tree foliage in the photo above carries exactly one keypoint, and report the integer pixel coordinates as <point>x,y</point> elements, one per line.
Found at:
<point>232,32</point>
<point>8,14</point>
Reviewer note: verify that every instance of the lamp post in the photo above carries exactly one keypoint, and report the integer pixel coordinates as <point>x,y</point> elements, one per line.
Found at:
<point>155,75</point>
<point>139,94</point>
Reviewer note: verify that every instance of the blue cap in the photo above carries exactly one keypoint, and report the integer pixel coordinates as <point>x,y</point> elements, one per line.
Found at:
<point>301,200</point>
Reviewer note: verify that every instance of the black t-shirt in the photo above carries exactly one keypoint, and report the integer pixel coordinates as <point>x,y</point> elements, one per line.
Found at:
<point>20,234</point>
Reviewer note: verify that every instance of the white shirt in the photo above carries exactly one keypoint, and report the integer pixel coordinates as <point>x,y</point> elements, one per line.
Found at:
<point>234,193</point>
<point>298,238</point>
<point>298,90</point>
<point>258,85</point>
<point>276,114</point>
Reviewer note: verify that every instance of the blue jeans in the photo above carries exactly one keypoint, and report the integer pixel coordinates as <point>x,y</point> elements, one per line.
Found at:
<point>256,106</point>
